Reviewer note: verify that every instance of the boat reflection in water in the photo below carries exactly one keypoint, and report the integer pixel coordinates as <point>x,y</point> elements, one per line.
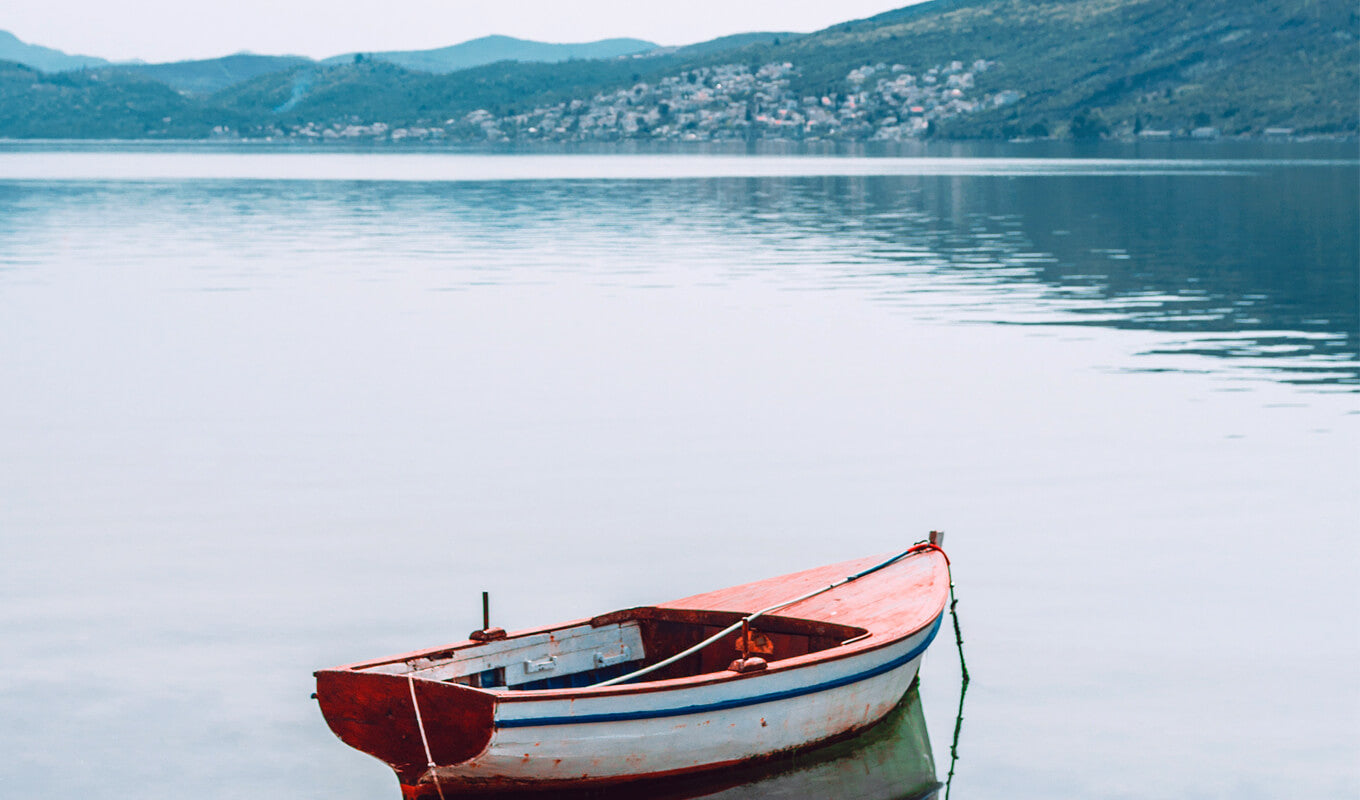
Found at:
<point>890,761</point>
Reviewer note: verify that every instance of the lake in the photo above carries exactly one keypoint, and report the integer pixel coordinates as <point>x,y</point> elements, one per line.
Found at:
<point>266,409</point>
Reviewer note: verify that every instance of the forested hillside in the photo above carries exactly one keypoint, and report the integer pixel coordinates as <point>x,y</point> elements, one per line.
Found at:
<point>946,68</point>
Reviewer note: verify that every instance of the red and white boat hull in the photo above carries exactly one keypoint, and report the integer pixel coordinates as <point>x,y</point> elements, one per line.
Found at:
<point>610,738</point>
<point>536,709</point>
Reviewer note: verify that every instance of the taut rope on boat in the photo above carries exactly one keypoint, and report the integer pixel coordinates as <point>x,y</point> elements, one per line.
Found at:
<point>424,740</point>
<point>916,548</point>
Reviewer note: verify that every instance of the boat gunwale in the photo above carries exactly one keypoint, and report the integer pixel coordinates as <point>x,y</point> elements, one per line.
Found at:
<point>868,643</point>
<point>932,628</point>
<point>827,656</point>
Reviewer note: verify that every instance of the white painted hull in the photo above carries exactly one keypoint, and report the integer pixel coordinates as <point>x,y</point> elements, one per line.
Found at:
<point>614,737</point>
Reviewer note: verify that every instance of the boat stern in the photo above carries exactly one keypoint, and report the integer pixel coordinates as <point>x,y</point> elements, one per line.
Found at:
<point>373,712</point>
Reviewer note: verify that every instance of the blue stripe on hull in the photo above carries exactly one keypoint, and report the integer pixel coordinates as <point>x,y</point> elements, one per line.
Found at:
<point>737,702</point>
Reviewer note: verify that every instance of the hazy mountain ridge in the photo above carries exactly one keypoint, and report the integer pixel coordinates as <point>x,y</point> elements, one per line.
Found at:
<point>92,104</point>
<point>490,49</point>
<point>210,75</point>
<point>732,42</point>
<point>47,59</point>
<point>375,91</point>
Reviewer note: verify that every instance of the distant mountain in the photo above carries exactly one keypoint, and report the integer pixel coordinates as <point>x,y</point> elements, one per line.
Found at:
<point>214,74</point>
<point>377,91</point>
<point>43,58</point>
<point>1089,67</point>
<point>945,68</point>
<point>490,49</point>
<point>727,43</point>
<point>97,105</point>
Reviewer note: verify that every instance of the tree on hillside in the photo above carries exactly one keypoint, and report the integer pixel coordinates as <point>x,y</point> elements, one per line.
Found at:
<point>1088,124</point>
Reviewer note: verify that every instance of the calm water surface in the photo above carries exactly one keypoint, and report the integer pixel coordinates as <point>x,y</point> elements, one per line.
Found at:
<point>264,412</point>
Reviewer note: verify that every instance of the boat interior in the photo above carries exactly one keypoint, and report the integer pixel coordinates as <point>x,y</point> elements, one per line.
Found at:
<point>616,644</point>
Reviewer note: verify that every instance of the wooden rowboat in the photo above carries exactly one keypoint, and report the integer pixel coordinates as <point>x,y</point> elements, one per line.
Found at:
<point>721,678</point>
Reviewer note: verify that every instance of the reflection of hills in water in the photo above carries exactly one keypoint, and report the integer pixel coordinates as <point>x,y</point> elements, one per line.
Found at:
<point>1252,263</point>
<point>1258,268</point>
<point>891,761</point>
<point>1263,271</point>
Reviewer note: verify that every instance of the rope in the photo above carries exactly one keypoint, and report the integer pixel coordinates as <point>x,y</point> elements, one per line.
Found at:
<point>916,548</point>
<point>963,689</point>
<point>420,724</point>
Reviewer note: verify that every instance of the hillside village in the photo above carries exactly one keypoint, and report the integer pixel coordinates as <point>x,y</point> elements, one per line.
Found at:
<point>881,102</point>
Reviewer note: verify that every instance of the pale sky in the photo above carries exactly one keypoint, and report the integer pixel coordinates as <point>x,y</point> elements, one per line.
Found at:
<point>167,30</point>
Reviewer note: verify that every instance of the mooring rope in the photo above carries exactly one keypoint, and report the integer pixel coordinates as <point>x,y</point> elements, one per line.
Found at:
<point>420,724</point>
<point>916,548</point>
<point>963,688</point>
